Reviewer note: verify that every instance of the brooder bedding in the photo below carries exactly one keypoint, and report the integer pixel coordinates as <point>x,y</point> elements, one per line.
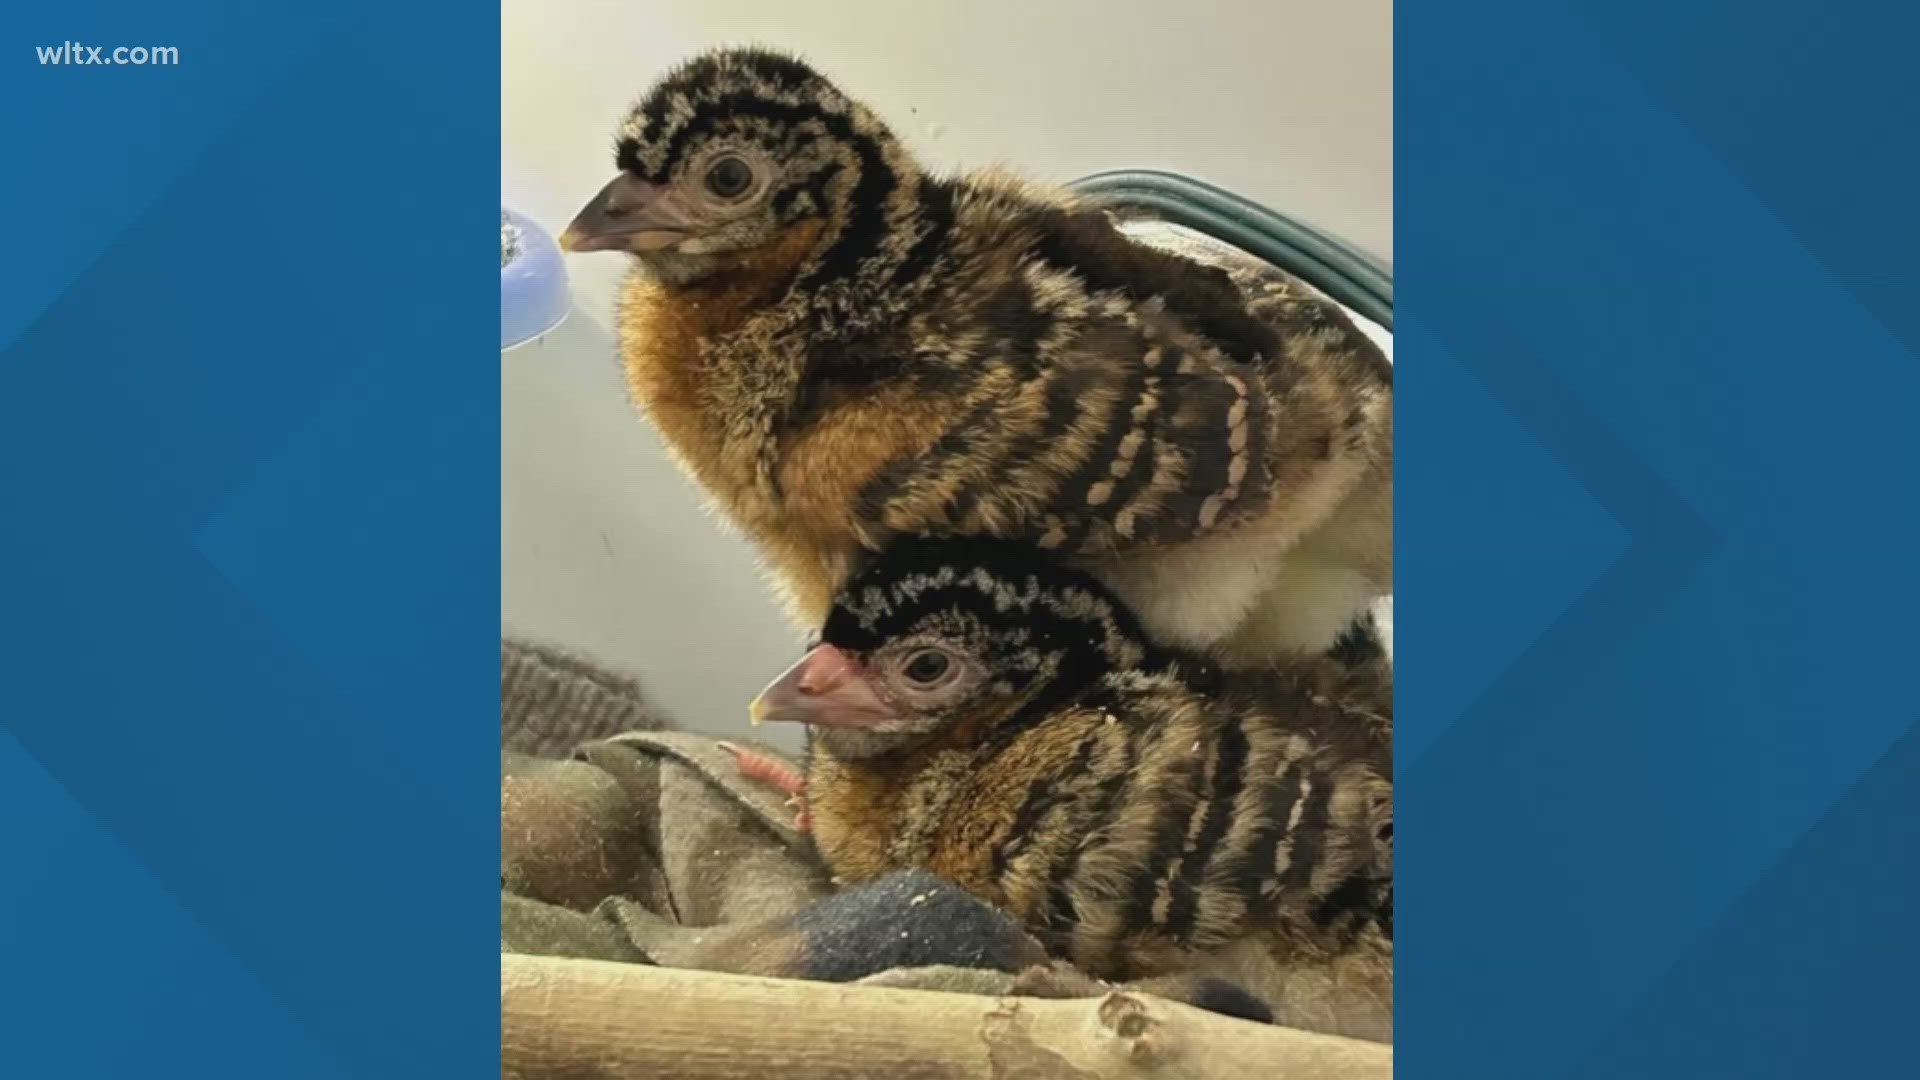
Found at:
<point>642,849</point>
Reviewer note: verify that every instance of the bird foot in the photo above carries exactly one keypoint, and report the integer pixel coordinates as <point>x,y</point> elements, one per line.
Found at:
<point>782,777</point>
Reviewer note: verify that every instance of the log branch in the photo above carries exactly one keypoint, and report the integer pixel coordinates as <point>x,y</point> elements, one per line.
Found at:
<point>566,1019</point>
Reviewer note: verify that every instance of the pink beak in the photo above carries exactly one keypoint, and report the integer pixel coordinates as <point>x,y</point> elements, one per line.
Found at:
<point>826,688</point>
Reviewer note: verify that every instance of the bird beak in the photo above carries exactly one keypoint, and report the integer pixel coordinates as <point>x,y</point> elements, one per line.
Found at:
<point>827,688</point>
<point>629,214</point>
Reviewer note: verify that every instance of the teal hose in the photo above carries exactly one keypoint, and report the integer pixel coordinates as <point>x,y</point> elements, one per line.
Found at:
<point>1342,271</point>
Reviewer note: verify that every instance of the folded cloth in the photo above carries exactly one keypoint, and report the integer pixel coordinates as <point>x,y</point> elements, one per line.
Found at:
<point>552,701</point>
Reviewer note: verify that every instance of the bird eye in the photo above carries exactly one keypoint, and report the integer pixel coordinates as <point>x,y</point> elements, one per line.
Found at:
<point>729,177</point>
<point>927,667</point>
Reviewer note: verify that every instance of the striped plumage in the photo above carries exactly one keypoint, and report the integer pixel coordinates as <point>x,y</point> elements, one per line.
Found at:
<point>840,348</point>
<point>1140,809</point>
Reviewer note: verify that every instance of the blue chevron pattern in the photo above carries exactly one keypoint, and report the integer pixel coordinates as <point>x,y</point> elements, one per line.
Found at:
<point>1659,807</point>
<point>249,443</point>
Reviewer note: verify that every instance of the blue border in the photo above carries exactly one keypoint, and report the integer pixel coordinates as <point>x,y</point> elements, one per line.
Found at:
<point>1659,785</point>
<point>249,448</point>
<point>1657,333</point>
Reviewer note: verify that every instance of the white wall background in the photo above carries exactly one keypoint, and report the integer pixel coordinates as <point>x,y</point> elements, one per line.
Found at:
<point>603,548</point>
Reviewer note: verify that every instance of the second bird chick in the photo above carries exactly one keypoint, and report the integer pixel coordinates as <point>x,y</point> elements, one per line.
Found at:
<point>978,710</point>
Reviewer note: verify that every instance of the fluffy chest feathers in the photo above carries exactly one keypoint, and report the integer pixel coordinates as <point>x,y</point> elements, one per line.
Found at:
<point>706,367</point>
<point>946,808</point>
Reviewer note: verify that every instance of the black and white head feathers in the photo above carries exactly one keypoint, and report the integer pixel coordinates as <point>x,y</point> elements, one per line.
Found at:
<point>765,132</point>
<point>975,637</point>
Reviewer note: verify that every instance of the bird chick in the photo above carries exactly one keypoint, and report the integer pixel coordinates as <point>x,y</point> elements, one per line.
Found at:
<point>840,347</point>
<point>981,712</point>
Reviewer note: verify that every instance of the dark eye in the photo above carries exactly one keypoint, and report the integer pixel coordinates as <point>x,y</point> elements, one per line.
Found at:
<point>729,177</point>
<point>927,667</point>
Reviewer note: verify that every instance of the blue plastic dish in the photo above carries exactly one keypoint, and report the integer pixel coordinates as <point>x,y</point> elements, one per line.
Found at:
<point>533,282</point>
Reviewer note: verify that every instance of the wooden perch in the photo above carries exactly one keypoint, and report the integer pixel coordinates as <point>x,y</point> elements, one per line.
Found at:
<point>563,1019</point>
